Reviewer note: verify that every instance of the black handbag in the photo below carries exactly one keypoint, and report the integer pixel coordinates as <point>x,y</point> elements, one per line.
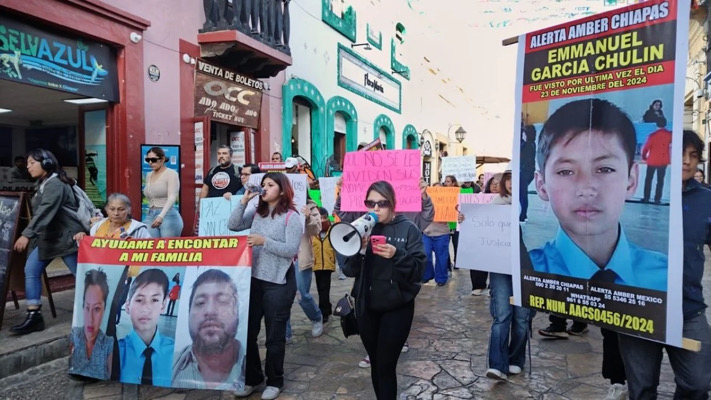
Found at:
<point>345,309</point>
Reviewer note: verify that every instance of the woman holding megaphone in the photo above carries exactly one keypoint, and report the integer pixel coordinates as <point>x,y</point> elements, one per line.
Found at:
<point>389,270</point>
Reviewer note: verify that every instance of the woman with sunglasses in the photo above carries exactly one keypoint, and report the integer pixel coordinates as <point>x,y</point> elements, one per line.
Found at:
<point>274,239</point>
<point>389,276</point>
<point>161,191</point>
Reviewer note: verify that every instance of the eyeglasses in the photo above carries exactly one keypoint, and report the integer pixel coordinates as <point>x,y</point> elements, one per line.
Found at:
<point>152,160</point>
<point>248,174</point>
<point>380,204</point>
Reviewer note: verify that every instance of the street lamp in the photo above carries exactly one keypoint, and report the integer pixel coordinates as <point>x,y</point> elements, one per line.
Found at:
<point>459,134</point>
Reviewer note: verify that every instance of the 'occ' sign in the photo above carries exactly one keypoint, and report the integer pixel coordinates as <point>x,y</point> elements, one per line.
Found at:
<point>227,91</point>
<point>227,101</point>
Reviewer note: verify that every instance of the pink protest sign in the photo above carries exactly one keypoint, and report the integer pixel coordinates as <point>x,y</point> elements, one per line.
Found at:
<point>401,168</point>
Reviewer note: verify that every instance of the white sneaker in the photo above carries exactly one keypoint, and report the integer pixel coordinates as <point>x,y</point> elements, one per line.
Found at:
<point>476,292</point>
<point>405,348</point>
<point>617,391</point>
<point>365,363</point>
<point>270,393</point>
<point>496,374</point>
<point>317,329</point>
<point>514,369</point>
<point>248,389</point>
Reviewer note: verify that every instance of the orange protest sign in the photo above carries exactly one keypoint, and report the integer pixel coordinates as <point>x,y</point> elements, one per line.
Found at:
<point>445,200</point>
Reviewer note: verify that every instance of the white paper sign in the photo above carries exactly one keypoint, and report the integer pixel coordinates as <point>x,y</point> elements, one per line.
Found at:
<point>328,192</point>
<point>463,168</point>
<point>300,185</point>
<point>485,238</point>
<point>215,213</point>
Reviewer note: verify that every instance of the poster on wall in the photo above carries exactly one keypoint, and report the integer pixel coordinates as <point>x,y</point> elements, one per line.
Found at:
<point>151,311</point>
<point>172,161</point>
<point>594,93</point>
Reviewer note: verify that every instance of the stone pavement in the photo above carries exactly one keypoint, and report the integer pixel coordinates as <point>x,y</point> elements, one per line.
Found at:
<point>447,358</point>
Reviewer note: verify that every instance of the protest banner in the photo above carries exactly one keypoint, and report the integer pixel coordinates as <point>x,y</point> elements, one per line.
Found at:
<point>298,183</point>
<point>445,201</point>
<point>486,230</point>
<point>373,146</point>
<point>328,192</point>
<point>120,279</point>
<point>399,167</point>
<point>272,167</point>
<point>215,213</point>
<point>589,83</point>
<point>475,198</point>
<point>462,167</point>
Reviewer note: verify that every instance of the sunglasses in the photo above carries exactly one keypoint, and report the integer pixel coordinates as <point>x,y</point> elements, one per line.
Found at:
<point>152,160</point>
<point>380,204</point>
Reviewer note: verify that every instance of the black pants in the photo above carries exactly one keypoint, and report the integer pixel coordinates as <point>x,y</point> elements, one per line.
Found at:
<point>478,279</point>
<point>171,307</point>
<point>273,302</point>
<point>323,286</point>
<point>661,173</point>
<point>613,368</point>
<point>383,335</point>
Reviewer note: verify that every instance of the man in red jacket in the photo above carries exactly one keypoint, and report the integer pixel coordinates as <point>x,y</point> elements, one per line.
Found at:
<point>656,153</point>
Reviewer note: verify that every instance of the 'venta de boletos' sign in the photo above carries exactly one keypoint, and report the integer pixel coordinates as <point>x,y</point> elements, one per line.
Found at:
<point>40,58</point>
<point>227,96</point>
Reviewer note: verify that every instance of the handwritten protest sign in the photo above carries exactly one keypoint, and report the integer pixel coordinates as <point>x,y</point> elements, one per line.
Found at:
<point>399,167</point>
<point>486,230</point>
<point>476,198</point>
<point>328,192</point>
<point>214,215</point>
<point>463,168</point>
<point>179,263</point>
<point>298,183</point>
<point>444,200</point>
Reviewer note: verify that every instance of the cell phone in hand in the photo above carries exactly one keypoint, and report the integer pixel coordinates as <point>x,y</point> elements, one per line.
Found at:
<point>377,239</point>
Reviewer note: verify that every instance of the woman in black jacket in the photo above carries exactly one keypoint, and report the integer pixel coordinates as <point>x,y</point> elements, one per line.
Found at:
<point>389,278</point>
<point>51,233</point>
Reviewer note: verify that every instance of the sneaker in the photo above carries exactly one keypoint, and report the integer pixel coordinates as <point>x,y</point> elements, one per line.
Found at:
<point>553,332</point>
<point>365,363</point>
<point>248,389</point>
<point>270,393</point>
<point>341,277</point>
<point>617,391</point>
<point>317,329</point>
<point>578,329</point>
<point>496,374</point>
<point>514,369</point>
<point>477,292</point>
<point>441,283</point>
<point>405,348</point>
<point>290,340</point>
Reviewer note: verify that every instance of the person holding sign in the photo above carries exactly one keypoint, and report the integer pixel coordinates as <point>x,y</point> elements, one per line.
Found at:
<point>436,239</point>
<point>222,180</point>
<point>586,172</point>
<point>275,237</point>
<point>118,224</point>
<point>91,350</point>
<point>389,272</point>
<point>510,328</point>
<point>51,233</point>
<point>643,358</point>
<point>245,174</point>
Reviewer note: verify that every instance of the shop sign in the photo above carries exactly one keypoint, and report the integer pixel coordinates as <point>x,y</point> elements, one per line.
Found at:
<point>363,78</point>
<point>427,172</point>
<point>220,96</point>
<point>49,60</point>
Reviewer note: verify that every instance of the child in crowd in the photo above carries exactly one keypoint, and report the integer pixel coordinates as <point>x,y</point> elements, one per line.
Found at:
<point>324,264</point>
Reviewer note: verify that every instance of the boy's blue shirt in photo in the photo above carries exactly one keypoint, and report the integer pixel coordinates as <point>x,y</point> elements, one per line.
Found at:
<point>131,349</point>
<point>633,265</point>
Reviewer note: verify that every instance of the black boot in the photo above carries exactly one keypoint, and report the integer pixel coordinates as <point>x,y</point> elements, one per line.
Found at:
<point>33,323</point>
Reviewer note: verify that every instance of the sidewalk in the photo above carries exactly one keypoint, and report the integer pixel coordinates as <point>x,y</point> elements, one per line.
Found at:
<point>447,358</point>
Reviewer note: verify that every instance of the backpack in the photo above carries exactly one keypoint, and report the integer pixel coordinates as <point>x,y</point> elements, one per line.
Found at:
<point>86,209</point>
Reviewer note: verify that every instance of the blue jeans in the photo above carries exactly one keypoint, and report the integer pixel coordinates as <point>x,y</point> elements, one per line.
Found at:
<point>440,246</point>
<point>33,272</point>
<point>171,226</point>
<point>508,319</point>
<point>692,370</point>
<point>307,302</point>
